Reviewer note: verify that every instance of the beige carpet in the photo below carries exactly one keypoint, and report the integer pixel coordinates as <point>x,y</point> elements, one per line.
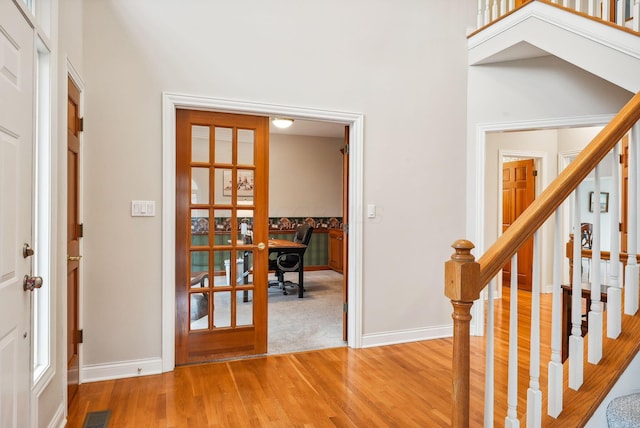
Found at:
<point>313,322</point>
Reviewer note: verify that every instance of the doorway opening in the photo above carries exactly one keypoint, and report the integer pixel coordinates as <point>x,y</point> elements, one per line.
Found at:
<point>545,141</point>
<point>306,188</point>
<point>172,102</point>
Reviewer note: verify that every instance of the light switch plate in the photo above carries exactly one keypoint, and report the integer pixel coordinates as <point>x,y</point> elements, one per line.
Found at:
<point>143,208</point>
<point>371,211</point>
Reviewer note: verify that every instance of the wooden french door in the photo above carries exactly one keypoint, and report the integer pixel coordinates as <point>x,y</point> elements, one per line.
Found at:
<point>518,192</point>
<point>221,235</point>
<point>73,237</point>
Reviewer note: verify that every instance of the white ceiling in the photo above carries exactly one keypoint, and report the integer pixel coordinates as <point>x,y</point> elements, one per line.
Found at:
<point>311,128</point>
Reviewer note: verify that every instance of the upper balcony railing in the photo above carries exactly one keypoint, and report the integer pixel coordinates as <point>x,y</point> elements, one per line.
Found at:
<point>625,13</point>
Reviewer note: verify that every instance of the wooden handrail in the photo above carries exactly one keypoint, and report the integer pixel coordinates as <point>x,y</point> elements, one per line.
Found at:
<point>552,197</point>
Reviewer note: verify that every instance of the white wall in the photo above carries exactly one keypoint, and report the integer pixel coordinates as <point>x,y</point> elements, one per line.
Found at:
<point>402,64</point>
<point>305,176</point>
<point>572,139</point>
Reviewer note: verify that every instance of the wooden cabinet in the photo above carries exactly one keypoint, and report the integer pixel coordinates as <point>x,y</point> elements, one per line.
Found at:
<point>335,249</point>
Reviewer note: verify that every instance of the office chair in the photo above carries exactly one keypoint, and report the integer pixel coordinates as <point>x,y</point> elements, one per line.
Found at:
<point>289,262</point>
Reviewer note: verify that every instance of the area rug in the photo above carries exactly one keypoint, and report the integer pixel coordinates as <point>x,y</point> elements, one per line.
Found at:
<point>313,322</point>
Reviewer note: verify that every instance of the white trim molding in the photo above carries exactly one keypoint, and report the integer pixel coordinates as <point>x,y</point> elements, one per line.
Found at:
<point>59,420</point>
<point>405,336</point>
<point>355,121</point>
<point>122,369</point>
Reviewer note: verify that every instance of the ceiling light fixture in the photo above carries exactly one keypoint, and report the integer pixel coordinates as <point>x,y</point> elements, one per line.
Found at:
<point>282,123</point>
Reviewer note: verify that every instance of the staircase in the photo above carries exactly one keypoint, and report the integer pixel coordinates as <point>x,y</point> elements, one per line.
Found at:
<point>577,392</point>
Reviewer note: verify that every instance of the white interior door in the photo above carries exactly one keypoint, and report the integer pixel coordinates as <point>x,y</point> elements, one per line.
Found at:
<point>16,196</point>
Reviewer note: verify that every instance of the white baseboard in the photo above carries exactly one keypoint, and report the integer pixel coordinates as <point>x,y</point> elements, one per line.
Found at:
<point>59,420</point>
<point>404,336</point>
<point>123,369</point>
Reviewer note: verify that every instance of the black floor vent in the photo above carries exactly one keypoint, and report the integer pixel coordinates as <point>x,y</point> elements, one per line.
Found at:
<point>97,419</point>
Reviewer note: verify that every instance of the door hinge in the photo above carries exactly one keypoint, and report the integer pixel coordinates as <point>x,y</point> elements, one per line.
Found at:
<point>345,307</point>
<point>346,149</point>
<point>535,172</point>
<point>81,230</point>
<point>345,228</point>
<point>621,159</point>
<point>80,336</point>
<point>81,124</point>
<point>619,227</point>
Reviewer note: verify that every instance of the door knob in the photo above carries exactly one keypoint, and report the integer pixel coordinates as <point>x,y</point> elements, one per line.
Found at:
<point>74,258</point>
<point>261,246</point>
<point>31,282</point>
<point>27,251</point>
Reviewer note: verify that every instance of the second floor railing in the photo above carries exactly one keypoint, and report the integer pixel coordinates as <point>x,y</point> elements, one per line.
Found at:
<point>625,13</point>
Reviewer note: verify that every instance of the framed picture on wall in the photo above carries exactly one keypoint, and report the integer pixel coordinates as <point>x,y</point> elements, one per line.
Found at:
<point>244,183</point>
<point>604,202</point>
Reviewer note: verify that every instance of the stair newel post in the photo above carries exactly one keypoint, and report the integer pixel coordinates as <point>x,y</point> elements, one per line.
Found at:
<point>462,275</point>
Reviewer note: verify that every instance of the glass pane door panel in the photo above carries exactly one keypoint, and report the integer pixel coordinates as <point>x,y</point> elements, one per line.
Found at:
<point>200,280</point>
<point>245,233</point>
<point>199,185</point>
<point>245,146</point>
<point>222,228</point>
<point>199,263</point>
<point>199,227</point>
<point>223,145</point>
<point>199,143</point>
<point>244,307</point>
<point>245,185</point>
<point>199,310</point>
<point>245,267</point>
<point>224,186</point>
<point>235,270</point>
<point>222,268</point>
<point>222,309</point>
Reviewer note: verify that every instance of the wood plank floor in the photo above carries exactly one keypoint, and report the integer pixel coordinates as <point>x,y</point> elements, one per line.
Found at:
<point>407,385</point>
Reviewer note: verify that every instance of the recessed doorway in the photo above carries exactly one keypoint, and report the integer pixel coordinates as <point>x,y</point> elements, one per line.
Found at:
<point>172,102</point>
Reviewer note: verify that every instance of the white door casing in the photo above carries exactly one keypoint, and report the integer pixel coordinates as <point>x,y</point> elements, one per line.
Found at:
<point>16,196</point>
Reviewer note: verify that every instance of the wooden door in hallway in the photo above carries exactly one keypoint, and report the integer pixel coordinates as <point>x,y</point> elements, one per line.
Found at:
<point>518,192</point>
<point>221,235</point>
<point>74,233</point>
